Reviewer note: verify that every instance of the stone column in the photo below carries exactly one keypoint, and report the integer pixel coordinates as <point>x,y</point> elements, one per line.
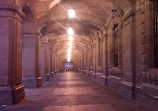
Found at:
<point>128,54</point>
<point>82,62</point>
<point>49,59</point>
<point>44,59</point>
<point>94,58</point>
<point>91,58</point>
<point>59,64</point>
<point>11,88</point>
<point>104,56</point>
<point>97,53</point>
<point>78,64</point>
<point>31,60</point>
<point>88,60</point>
<point>105,59</point>
<point>127,47</point>
<point>84,59</point>
<point>85,62</point>
<point>51,62</point>
<point>55,62</point>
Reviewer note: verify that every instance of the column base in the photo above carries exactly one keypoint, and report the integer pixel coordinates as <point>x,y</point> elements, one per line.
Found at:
<point>39,81</point>
<point>43,77</point>
<point>52,74</point>
<point>10,96</point>
<point>30,82</point>
<point>47,77</point>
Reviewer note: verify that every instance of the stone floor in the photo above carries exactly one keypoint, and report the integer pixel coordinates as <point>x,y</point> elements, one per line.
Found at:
<point>71,91</point>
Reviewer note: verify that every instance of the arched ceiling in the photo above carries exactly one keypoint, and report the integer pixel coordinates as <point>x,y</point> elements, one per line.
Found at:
<point>89,23</point>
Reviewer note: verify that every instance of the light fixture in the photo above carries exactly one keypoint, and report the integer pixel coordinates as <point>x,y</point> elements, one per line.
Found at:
<point>71,38</point>
<point>70,31</point>
<point>71,13</point>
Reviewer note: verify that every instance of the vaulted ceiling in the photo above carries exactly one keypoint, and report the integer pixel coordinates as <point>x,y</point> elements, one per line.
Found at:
<point>92,17</point>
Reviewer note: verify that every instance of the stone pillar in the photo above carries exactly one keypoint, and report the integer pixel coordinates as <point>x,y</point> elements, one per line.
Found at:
<point>94,59</point>
<point>127,47</point>
<point>82,62</point>
<point>99,57</point>
<point>51,62</point>
<point>44,59</point>
<point>105,59</point>
<point>97,53</point>
<point>128,54</point>
<point>49,59</point>
<point>78,63</point>
<point>31,60</point>
<point>104,56</point>
<point>11,88</point>
<point>55,62</point>
<point>88,60</point>
<point>91,58</point>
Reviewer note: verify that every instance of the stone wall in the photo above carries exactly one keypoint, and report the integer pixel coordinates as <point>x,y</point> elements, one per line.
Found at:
<point>134,77</point>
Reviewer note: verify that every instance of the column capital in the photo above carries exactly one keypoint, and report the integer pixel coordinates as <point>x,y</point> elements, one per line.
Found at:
<point>50,48</point>
<point>93,44</point>
<point>44,40</point>
<point>104,37</point>
<point>7,9</point>
<point>88,47</point>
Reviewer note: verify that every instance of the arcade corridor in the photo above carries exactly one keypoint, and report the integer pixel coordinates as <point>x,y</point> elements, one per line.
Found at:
<point>71,91</point>
<point>113,42</point>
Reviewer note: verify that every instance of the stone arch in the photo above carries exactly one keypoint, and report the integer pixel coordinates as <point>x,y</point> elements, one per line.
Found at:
<point>30,50</point>
<point>29,23</point>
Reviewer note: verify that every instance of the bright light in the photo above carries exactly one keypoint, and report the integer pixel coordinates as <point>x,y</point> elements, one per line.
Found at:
<point>69,54</point>
<point>70,31</point>
<point>69,51</point>
<point>70,44</point>
<point>71,13</point>
<point>71,38</point>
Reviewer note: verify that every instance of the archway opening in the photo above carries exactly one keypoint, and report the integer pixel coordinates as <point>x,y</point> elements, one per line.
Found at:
<point>69,66</point>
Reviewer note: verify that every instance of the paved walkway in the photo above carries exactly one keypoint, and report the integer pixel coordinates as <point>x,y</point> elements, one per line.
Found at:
<point>71,91</point>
